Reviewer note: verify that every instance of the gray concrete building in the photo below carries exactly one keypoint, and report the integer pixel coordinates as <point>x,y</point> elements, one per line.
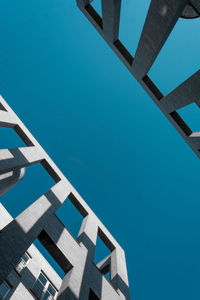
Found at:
<point>161,18</point>
<point>33,277</point>
<point>24,272</point>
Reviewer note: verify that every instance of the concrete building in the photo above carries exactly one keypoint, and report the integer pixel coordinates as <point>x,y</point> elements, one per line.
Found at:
<point>24,272</point>
<point>160,21</point>
<point>33,276</point>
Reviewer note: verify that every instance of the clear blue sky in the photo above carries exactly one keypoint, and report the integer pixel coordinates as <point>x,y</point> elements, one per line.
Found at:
<point>107,136</point>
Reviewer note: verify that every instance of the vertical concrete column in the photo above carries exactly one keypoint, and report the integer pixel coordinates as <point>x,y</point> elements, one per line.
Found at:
<point>88,233</point>
<point>111,18</point>
<point>119,276</point>
<point>161,19</point>
<point>76,284</point>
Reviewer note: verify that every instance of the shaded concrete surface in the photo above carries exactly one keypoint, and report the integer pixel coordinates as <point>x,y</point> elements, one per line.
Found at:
<point>160,21</point>
<point>22,284</point>
<point>83,278</point>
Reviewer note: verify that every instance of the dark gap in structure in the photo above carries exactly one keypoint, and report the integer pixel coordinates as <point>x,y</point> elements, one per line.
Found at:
<point>50,171</point>
<point>93,296</point>
<point>124,52</point>
<point>42,247</point>
<point>96,4</point>
<point>92,12</point>
<point>23,136</point>
<point>179,121</point>
<point>102,257</point>
<point>175,63</point>
<point>2,107</point>
<point>153,88</point>
<point>132,21</point>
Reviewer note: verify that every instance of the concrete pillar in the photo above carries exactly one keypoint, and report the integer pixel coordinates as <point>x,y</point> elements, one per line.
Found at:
<point>111,18</point>
<point>161,18</point>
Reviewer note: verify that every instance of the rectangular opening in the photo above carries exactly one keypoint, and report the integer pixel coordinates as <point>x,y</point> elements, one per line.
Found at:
<point>180,122</point>
<point>124,52</point>
<point>191,115</point>
<point>178,58</point>
<point>10,139</point>
<point>92,12</point>
<point>131,23</point>
<point>71,214</point>
<point>42,244</point>
<point>153,88</point>
<point>1,106</point>
<point>96,4</point>
<point>23,136</point>
<point>102,258</point>
<point>34,184</point>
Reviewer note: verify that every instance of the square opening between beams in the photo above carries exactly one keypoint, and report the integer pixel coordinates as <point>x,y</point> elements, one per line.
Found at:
<point>191,116</point>
<point>71,214</point>
<point>10,139</point>
<point>34,184</point>
<point>102,257</point>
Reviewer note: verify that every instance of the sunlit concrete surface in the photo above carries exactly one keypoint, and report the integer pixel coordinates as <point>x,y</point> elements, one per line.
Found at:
<point>83,278</point>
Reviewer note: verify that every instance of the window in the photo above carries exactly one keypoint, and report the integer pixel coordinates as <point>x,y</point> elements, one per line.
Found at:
<point>4,290</point>
<point>43,289</point>
<point>23,263</point>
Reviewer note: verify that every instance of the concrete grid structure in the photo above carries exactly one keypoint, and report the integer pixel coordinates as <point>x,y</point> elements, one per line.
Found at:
<point>83,279</point>
<point>160,21</point>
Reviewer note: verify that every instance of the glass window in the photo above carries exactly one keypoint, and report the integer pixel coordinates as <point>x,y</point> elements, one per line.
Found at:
<point>23,263</point>
<point>43,289</point>
<point>42,279</point>
<point>51,290</point>
<point>4,290</point>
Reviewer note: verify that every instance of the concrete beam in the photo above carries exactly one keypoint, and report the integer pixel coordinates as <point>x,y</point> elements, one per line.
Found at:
<point>111,18</point>
<point>186,93</point>
<point>161,19</point>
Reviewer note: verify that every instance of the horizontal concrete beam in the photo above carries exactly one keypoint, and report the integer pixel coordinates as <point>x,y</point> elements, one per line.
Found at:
<point>186,93</point>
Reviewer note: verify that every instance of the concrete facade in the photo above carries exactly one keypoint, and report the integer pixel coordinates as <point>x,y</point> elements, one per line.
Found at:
<point>83,278</point>
<point>160,21</point>
<point>22,284</point>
